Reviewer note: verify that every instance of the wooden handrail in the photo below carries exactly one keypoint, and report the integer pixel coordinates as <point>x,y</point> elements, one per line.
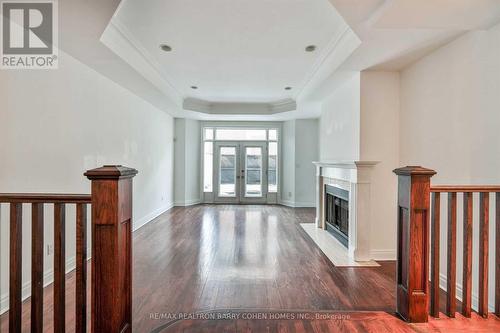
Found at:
<point>44,198</point>
<point>414,290</point>
<point>111,292</point>
<point>465,188</point>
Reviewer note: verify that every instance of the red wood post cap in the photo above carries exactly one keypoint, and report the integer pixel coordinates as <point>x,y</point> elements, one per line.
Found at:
<point>111,172</point>
<point>414,170</point>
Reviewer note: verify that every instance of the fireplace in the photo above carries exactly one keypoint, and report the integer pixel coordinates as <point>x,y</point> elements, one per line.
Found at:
<point>337,213</point>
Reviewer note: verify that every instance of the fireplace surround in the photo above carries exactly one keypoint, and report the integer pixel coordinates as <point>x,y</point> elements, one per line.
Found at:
<point>353,178</point>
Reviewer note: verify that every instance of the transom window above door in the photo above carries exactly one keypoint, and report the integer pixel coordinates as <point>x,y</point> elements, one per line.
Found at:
<point>240,134</point>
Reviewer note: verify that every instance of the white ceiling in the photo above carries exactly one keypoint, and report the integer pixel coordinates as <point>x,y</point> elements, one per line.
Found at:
<point>241,54</point>
<point>395,33</point>
<point>234,51</point>
<point>440,14</point>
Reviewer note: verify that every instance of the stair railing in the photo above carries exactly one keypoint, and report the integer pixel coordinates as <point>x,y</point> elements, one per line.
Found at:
<point>419,216</point>
<point>111,284</point>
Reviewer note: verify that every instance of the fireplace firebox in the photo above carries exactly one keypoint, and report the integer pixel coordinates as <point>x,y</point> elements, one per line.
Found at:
<point>337,213</point>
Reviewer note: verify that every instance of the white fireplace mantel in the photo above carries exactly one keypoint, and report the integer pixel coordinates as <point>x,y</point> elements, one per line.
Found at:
<point>353,176</point>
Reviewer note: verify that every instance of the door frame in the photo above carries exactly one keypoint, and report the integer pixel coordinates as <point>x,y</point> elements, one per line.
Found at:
<point>240,172</point>
<point>208,197</point>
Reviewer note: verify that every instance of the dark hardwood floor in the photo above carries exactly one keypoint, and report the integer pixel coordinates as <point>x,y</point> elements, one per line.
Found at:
<point>245,257</point>
<point>248,259</point>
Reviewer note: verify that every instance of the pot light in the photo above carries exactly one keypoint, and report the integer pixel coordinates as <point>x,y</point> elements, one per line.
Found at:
<point>310,48</point>
<point>194,87</point>
<point>288,88</point>
<point>165,47</point>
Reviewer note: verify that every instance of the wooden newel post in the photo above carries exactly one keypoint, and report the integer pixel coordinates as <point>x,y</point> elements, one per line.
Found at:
<point>111,248</point>
<point>413,243</point>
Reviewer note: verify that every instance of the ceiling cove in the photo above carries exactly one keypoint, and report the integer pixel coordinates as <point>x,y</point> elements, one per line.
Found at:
<point>245,58</point>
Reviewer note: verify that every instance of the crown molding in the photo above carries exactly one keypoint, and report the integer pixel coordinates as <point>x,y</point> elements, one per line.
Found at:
<point>283,106</point>
<point>339,50</point>
<point>199,105</point>
<point>328,50</point>
<point>120,40</point>
<point>194,104</point>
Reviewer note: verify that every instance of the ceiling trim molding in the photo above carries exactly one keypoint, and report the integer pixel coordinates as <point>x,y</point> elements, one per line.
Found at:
<point>194,104</point>
<point>283,106</point>
<point>331,46</point>
<point>139,58</point>
<point>198,105</point>
<point>344,47</point>
<point>377,14</point>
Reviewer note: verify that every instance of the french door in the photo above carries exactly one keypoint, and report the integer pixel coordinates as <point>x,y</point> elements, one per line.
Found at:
<point>241,172</point>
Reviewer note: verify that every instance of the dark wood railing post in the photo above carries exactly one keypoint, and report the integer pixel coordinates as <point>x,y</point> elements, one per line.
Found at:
<point>111,248</point>
<point>413,243</point>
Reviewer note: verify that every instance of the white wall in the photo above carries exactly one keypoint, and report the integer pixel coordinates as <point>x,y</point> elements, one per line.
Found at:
<point>306,151</point>
<point>288,163</point>
<point>54,125</point>
<point>450,102</point>
<point>359,121</point>
<point>187,162</point>
<point>339,122</point>
<point>379,141</point>
<point>299,149</point>
<point>179,161</point>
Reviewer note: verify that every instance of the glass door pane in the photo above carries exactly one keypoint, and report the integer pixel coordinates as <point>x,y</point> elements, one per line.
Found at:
<point>227,172</point>
<point>272,165</point>
<point>253,172</point>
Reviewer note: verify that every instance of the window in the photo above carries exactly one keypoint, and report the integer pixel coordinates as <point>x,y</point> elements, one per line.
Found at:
<point>273,135</point>
<point>208,158</point>
<point>227,177</point>
<point>240,134</point>
<point>272,172</point>
<point>209,134</point>
<point>228,160</point>
<point>253,167</point>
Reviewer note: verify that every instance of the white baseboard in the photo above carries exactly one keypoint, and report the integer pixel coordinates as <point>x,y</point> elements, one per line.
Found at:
<point>474,296</point>
<point>187,203</point>
<point>383,255</point>
<point>151,216</point>
<point>297,204</point>
<point>48,278</point>
<point>287,203</point>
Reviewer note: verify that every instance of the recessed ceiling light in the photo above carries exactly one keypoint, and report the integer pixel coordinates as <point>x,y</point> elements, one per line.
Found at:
<point>310,48</point>
<point>288,88</point>
<point>165,47</point>
<point>194,87</point>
